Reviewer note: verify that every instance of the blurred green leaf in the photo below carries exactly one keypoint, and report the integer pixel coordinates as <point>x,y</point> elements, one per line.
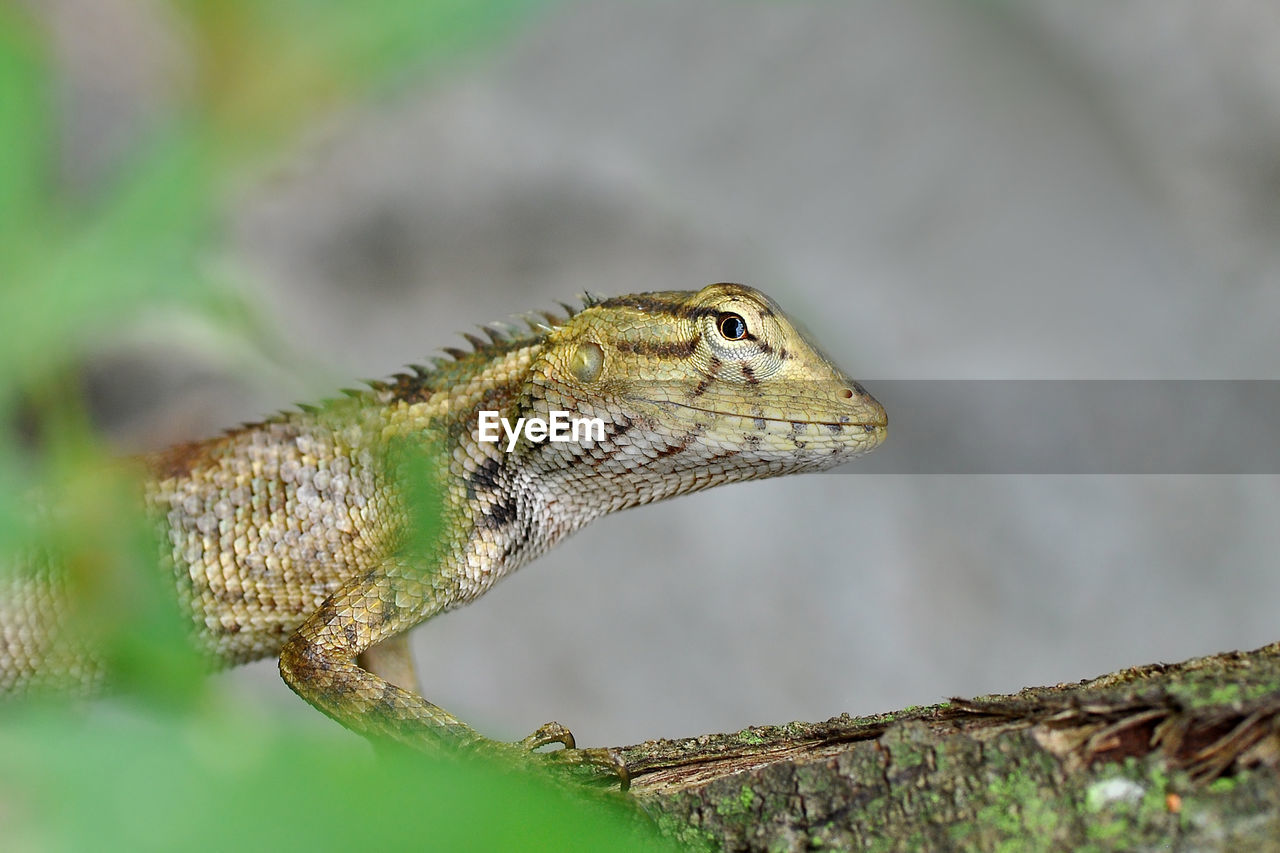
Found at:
<point>266,66</point>
<point>139,248</point>
<point>265,69</point>
<point>25,128</point>
<point>125,781</point>
<point>412,466</point>
<point>85,540</point>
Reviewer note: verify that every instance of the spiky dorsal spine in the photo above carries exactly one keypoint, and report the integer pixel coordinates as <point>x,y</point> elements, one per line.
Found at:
<point>457,362</point>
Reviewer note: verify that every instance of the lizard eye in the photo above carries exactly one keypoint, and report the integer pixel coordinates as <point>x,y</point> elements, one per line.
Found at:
<point>588,360</point>
<point>731,326</point>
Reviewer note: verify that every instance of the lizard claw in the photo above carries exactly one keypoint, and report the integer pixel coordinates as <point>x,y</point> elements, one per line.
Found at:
<point>548,733</point>
<point>592,765</point>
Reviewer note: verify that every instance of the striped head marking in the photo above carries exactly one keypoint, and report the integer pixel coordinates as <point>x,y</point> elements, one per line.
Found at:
<point>713,380</point>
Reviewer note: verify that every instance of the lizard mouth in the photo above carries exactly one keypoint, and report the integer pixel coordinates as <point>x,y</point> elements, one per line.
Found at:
<point>874,425</point>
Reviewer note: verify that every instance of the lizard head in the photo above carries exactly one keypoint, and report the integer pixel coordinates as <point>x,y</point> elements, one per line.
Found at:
<point>716,384</point>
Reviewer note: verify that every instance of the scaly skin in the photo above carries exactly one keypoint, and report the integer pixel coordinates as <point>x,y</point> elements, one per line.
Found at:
<point>291,537</point>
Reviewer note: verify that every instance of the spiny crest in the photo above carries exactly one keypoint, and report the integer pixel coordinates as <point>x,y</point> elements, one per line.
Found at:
<point>420,380</point>
<point>457,362</point>
<point>502,334</point>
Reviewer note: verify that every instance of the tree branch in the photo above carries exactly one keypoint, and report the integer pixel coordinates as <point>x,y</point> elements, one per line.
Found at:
<point>1185,754</point>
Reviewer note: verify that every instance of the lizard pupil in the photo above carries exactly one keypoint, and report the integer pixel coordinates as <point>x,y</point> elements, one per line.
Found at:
<point>732,327</point>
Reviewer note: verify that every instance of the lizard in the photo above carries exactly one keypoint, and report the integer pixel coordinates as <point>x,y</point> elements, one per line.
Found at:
<point>287,538</point>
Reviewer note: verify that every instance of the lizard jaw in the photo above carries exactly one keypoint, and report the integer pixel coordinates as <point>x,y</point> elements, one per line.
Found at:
<point>879,424</point>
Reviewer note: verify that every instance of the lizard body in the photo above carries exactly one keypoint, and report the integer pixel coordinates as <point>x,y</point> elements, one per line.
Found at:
<point>292,538</point>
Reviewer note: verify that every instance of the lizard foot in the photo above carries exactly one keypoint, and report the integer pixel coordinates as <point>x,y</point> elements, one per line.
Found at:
<point>547,734</point>
<point>592,765</point>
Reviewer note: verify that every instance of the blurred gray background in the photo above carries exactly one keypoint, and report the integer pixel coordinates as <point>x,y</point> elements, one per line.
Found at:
<point>1045,189</point>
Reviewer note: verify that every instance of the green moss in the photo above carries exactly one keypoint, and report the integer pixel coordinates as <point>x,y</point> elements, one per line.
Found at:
<point>1107,831</point>
<point>1126,807</point>
<point>739,806</point>
<point>1155,802</point>
<point>933,800</point>
<point>1014,809</point>
<point>875,808</point>
<point>907,755</point>
<point>688,836</point>
<point>1209,690</point>
<point>961,832</point>
<point>1257,691</point>
<point>1223,785</point>
<point>909,711</point>
<point>1224,694</point>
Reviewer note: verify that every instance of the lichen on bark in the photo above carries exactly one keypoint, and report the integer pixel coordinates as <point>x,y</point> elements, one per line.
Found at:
<point>1184,756</point>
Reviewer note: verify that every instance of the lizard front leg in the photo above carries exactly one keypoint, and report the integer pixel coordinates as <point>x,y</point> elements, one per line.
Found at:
<point>319,662</point>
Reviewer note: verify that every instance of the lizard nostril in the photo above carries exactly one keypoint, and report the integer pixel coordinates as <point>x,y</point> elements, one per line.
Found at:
<point>847,393</point>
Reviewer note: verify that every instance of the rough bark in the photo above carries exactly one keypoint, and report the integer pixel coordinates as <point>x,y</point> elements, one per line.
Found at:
<point>1183,756</point>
